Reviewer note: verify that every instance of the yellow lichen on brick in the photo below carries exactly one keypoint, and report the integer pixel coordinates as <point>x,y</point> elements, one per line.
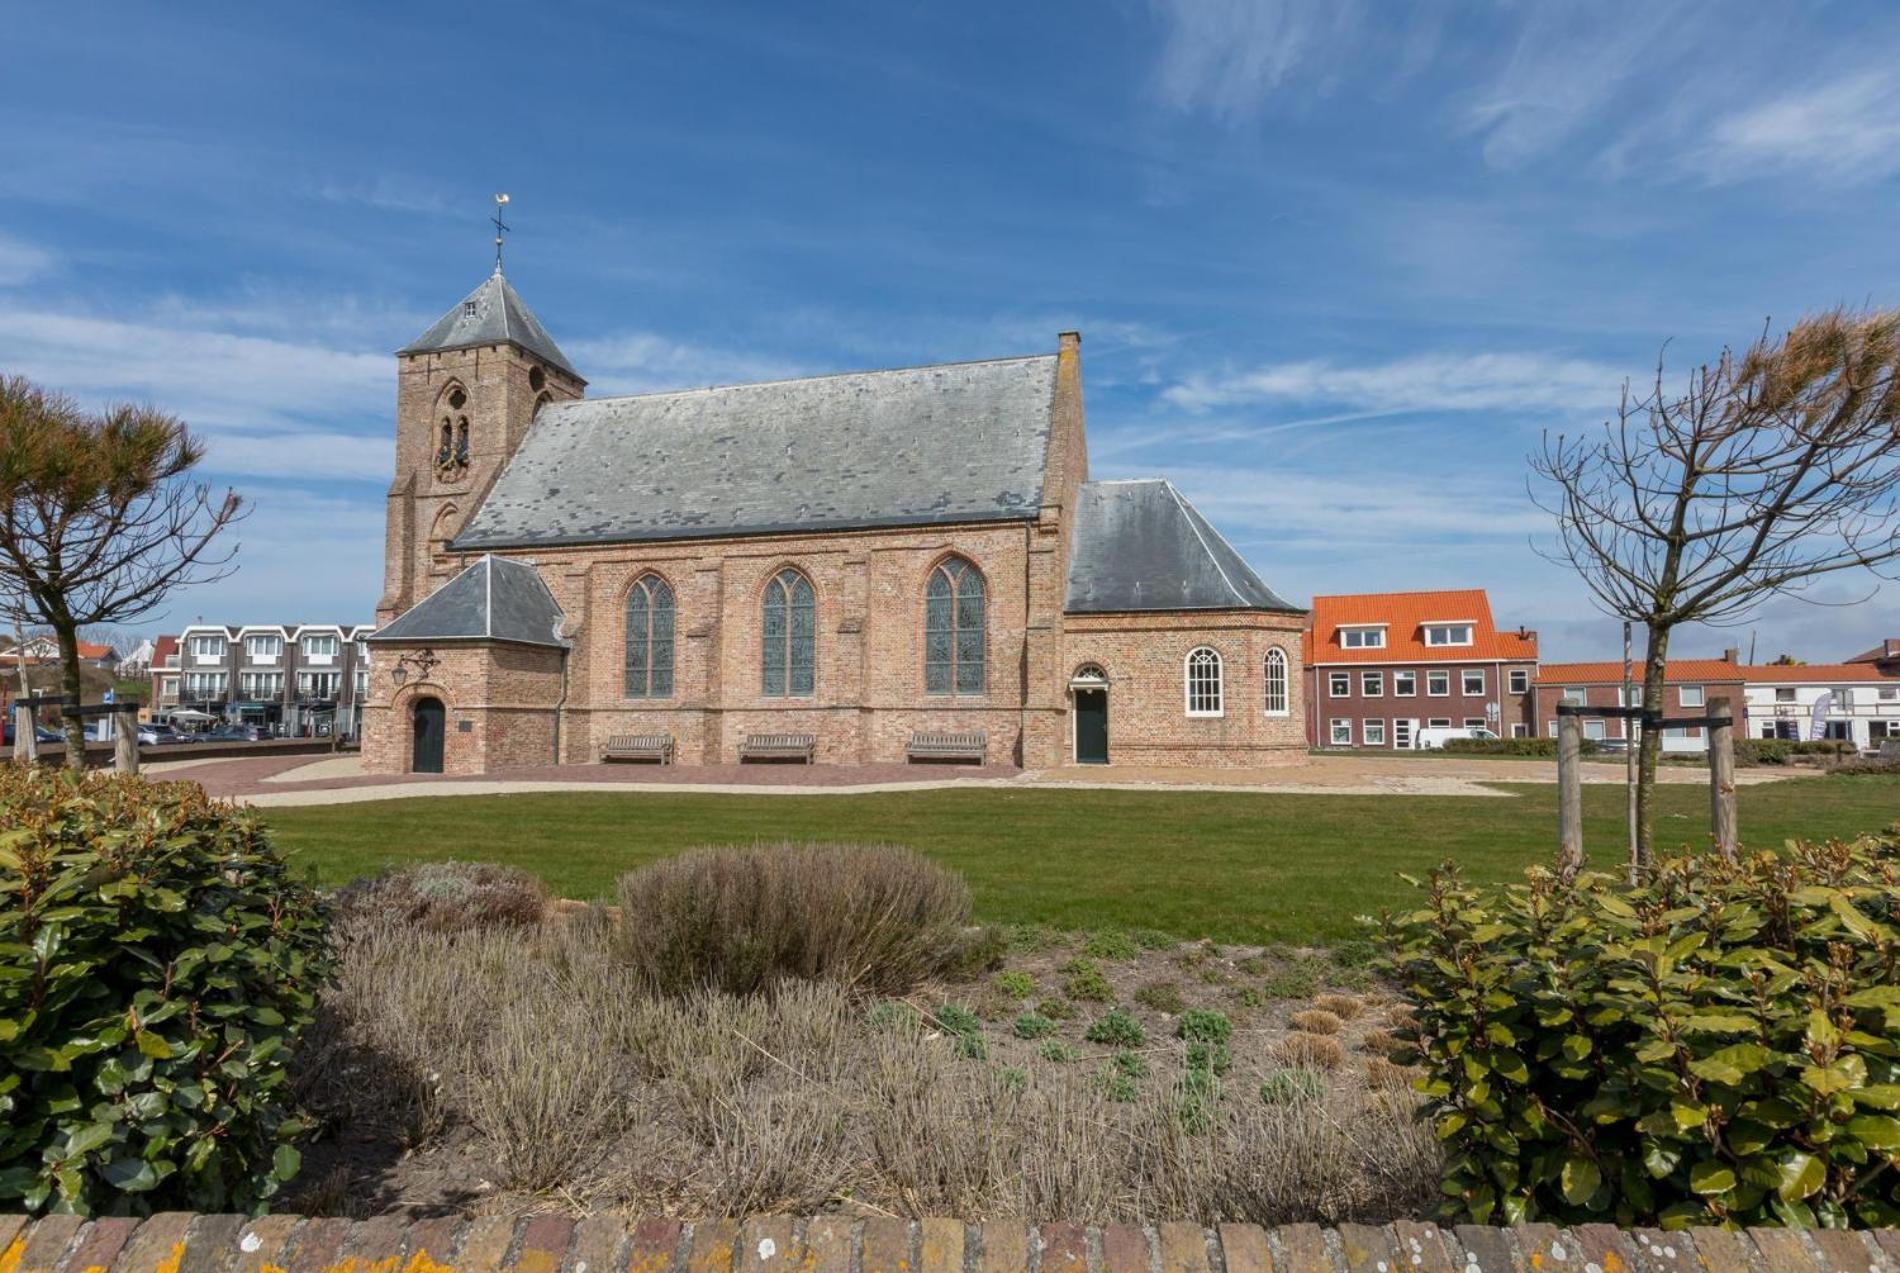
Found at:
<point>10,1258</point>
<point>421,1263</point>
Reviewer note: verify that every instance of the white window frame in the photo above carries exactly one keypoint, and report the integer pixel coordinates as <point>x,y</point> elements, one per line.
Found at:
<point>207,647</point>
<point>263,647</point>
<point>1438,722</point>
<point>1442,633</point>
<point>1465,674</point>
<point>1553,729</point>
<point>1340,731</point>
<point>1520,730</point>
<point>1595,728</point>
<point>1683,692</point>
<point>1520,680</point>
<point>1372,732</point>
<point>1362,637</point>
<point>1400,679</point>
<point>319,649</point>
<point>1275,685</point>
<point>1578,694</point>
<point>1372,684</point>
<point>1195,685</point>
<point>1339,685</point>
<point>1476,722</point>
<point>1445,675</point>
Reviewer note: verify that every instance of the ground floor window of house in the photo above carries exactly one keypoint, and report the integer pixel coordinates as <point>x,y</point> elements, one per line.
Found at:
<point>1593,729</point>
<point>1342,732</point>
<point>1840,731</point>
<point>1474,722</point>
<point>1520,730</point>
<point>1768,730</point>
<point>1881,730</point>
<point>1439,722</point>
<point>1374,732</point>
<point>1553,729</point>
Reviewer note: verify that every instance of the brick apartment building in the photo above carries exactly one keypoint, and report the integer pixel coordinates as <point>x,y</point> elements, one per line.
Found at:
<point>851,560</point>
<point>291,679</point>
<point>1382,666</point>
<point>1884,657</point>
<point>1689,686</point>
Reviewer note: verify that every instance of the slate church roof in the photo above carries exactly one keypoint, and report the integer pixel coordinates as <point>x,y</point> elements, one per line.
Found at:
<point>495,599</point>
<point>961,442</point>
<point>492,314</point>
<point>1139,545</point>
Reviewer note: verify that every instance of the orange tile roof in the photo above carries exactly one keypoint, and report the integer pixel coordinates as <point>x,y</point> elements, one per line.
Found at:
<point>1801,672</point>
<point>1405,615</point>
<point>1674,671</point>
<point>93,649</point>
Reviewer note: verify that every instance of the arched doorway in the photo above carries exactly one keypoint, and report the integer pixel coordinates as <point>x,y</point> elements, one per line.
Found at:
<point>429,724</point>
<point>1088,688</point>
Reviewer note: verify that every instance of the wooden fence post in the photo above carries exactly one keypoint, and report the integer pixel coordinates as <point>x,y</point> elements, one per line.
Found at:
<point>125,742</point>
<point>26,735</point>
<point>1570,791</point>
<point>1722,777</point>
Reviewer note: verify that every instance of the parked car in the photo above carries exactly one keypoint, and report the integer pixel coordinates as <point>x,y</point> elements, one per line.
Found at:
<point>151,735</point>
<point>1433,737</point>
<point>40,732</point>
<point>234,733</point>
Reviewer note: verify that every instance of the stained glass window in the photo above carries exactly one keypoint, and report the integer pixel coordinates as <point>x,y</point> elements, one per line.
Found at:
<point>790,636</point>
<point>1276,682</point>
<point>1203,682</point>
<point>954,630</point>
<point>650,639</point>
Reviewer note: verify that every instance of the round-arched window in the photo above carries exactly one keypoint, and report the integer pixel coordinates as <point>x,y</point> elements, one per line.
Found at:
<point>1204,697</point>
<point>1275,682</point>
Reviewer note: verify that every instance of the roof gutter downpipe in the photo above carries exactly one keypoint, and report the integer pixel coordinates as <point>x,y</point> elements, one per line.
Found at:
<point>560,705</point>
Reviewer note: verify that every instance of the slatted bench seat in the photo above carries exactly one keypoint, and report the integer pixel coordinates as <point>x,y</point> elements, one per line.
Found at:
<point>937,745</point>
<point>655,747</point>
<point>779,747</point>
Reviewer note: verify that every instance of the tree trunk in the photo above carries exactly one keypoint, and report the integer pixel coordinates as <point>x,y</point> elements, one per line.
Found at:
<point>71,686</point>
<point>1654,665</point>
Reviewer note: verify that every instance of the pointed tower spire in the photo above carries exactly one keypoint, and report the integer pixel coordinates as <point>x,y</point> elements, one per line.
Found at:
<point>492,314</point>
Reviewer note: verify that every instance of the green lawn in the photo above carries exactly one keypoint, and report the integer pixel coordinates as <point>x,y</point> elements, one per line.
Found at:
<point>1239,867</point>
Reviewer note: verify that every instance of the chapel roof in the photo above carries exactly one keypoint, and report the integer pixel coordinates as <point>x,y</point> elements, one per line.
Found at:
<point>915,446</point>
<point>1140,546</point>
<point>492,314</point>
<point>495,599</point>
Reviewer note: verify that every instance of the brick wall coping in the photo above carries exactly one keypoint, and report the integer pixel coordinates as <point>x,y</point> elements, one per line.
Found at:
<point>181,1242</point>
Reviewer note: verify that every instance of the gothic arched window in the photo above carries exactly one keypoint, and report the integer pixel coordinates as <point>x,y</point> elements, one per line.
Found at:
<point>790,636</point>
<point>1203,682</point>
<point>954,629</point>
<point>1276,682</point>
<point>451,449</point>
<point>461,441</point>
<point>650,639</point>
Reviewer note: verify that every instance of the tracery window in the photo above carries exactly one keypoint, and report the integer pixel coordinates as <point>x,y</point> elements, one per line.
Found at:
<point>649,671</point>
<point>1276,682</point>
<point>790,636</point>
<point>1203,682</point>
<point>954,629</point>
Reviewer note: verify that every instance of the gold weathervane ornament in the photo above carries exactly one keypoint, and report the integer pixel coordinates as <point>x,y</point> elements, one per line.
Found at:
<point>501,228</point>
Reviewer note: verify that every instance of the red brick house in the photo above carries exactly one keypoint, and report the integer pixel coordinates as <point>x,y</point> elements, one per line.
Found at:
<point>1381,666</point>
<point>1689,685</point>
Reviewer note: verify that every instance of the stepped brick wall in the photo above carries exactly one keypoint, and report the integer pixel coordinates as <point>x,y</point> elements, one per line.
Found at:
<point>178,1242</point>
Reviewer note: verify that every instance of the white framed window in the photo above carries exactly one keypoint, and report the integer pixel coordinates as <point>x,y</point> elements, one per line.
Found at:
<point>1553,729</point>
<point>318,685</point>
<point>1471,681</point>
<point>1438,684</point>
<point>1448,634</point>
<point>1405,684</point>
<point>1338,684</point>
<point>1888,693</point>
<point>204,685</point>
<point>1689,695</point>
<point>1372,684</point>
<point>1372,732</point>
<point>1362,638</point>
<point>1576,694</point>
<point>1785,693</point>
<point>1439,722</point>
<point>168,687</point>
<point>261,685</point>
<point>1520,730</point>
<point>362,684</point>
<point>1275,682</point>
<point>263,647</point>
<point>1593,728</point>
<point>319,647</point>
<point>1203,682</point>
<point>1341,732</point>
<point>1520,680</point>
<point>207,647</point>
<point>1474,722</point>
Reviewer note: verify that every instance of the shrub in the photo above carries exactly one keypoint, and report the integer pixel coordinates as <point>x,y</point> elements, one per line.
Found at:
<point>1153,939</point>
<point>1296,981</point>
<point>1057,1051</point>
<point>1315,1021</point>
<point>1717,1047</point>
<point>1057,1009</point>
<point>446,897</point>
<point>1082,981</point>
<point>1356,953</point>
<point>1014,984</point>
<point>158,968</point>
<point>1292,1086</point>
<point>1117,1029</point>
<point>1204,1025</point>
<point>745,920</point>
<point>1312,1051</point>
<point>1032,1025</point>
<point>1345,1007</point>
<point>1161,996</point>
<point>964,1028</point>
<point>1109,944</point>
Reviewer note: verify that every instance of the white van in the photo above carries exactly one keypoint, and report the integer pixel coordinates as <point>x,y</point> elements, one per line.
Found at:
<point>1433,737</point>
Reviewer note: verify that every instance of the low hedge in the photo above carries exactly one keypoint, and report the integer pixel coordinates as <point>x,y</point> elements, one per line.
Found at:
<point>158,965</point>
<point>1719,1047</point>
<point>1512,746</point>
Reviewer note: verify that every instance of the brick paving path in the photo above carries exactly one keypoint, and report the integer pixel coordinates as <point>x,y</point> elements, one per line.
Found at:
<point>176,1242</point>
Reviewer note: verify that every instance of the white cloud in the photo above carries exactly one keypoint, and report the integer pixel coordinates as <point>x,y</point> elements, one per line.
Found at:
<point>645,362</point>
<point>1425,382</point>
<point>302,557</point>
<point>1227,56</point>
<point>22,262</point>
<point>1845,130</point>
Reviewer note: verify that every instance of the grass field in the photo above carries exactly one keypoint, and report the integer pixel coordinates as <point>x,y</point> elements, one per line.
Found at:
<point>1237,867</point>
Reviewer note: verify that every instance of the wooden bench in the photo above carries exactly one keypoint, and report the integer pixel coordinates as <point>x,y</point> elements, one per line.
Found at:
<point>1889,749</point>
<point>930,745</point>
<point>779,747</point>
<point>655,747</point>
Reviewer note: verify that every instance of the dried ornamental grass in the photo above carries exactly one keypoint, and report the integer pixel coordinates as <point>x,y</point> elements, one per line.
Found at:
<point>1314,1051</point>
<point>1315,1021</point>
<point>1345,1007</point>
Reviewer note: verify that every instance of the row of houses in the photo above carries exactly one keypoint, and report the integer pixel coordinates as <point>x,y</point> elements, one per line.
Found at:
<point>1382,667</point>
<point>294,680</point>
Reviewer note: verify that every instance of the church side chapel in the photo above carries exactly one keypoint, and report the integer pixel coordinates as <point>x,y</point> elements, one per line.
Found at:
<point>908,565</point>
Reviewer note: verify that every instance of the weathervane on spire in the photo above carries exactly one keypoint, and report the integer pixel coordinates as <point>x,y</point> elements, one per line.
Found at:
<point>501,228</point>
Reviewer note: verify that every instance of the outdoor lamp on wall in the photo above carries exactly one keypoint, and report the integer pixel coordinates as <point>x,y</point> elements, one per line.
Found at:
<point>423,661</point>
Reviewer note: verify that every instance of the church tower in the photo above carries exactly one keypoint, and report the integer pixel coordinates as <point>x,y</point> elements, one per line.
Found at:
<point>467,390</point>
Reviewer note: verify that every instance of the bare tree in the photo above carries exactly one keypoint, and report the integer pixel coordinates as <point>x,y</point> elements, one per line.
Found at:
<point>99,520</point>
<point>1767,471</point>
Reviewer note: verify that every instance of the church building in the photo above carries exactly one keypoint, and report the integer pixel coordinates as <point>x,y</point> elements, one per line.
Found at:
<point>870,567</point>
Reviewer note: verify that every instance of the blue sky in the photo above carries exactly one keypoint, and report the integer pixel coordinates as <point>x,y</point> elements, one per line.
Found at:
<point>1337,263</point>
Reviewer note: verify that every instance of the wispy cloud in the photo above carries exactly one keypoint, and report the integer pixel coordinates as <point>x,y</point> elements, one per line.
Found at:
<point>1847,131</point>
<point>21,262</point>
<point>1226,57</point>
<point>646,362</point>
<point>1426,382</point>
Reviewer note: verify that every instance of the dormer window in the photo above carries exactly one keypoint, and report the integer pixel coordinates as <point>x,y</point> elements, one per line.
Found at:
<point>1368,638</point>
<point>1448,634</point>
